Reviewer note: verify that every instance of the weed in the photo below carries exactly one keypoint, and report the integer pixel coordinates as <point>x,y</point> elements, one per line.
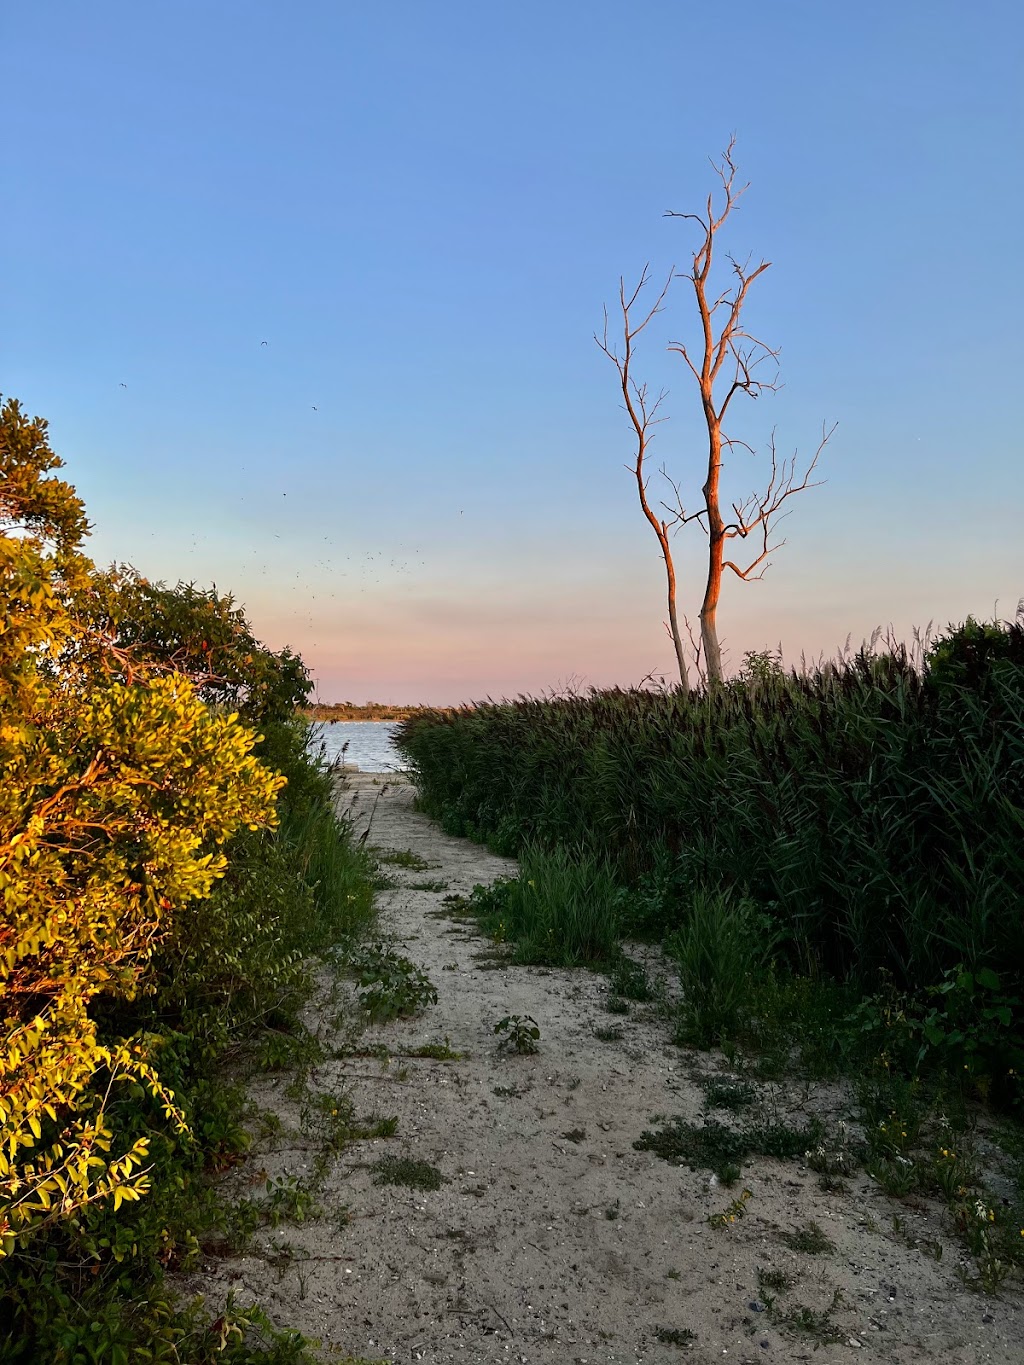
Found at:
<point>720,945</point>
<point>617,1004</point>
<point>521,1033</point>
<point>278,1050</point>
<point>835,1158</point>
<point>394,986</point>
<point>770,1279</point>
<point>809,1239</point>
<point>716,1147</point>
<point>400,857</point>
<point>629,979</point>
<point>493,959</point>
<point>608,1035</point>
<point>288,1200</point>
<point>330,1121</point>
<point>898,1176</point>
<point>416,1175</point>
<point>562,910</point>
<point>427,886</point>
<point>727,1092</point>
<point>675,1336</point>
<point>737,1209</point>
<point>575,1135</point>
<point>438,1052</point>
<point>816,1323</point>
<point>506,1092</point>
<point>612,1212</point>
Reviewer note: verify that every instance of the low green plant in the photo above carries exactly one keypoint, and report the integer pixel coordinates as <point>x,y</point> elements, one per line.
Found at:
<point>733,1211</point>
<point>721,943</point>
<point>814,1322</point>
<point>716,1147</point>
<point>676,1336</point>
<point>608,1035</point>
<point>971,1027</point>
<point>288,1199</point>
<point>562,910</point>
<point>521,1033</point>
<point>329,1120</point>
<point>769,1280</point>
<point>629,980</point>
<point>438,1052</point>
<point>809,1239</point>
<point>398,1170</point>
<point>393,986</point>
<point>727,1092</point>
<point>402,857</point>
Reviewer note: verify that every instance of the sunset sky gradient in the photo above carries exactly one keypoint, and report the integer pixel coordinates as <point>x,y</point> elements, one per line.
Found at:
<point>418,481</point>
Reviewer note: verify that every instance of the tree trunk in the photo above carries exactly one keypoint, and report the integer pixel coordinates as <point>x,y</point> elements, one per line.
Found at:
<point>673,621</point>
<point>716,551</point>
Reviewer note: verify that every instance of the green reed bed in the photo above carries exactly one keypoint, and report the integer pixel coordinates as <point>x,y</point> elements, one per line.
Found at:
<point>870,812</point>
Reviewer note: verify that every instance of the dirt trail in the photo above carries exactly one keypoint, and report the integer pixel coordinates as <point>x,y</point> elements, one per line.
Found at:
<point>552,1240</point>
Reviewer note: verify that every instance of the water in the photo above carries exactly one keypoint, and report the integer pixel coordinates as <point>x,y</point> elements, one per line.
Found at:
<point>369,743</point>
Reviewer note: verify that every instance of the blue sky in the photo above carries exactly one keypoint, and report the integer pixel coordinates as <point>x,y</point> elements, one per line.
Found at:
<point>418,481</point>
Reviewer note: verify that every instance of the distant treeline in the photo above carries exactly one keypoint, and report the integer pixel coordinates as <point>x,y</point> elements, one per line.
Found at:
<point>371,710</point>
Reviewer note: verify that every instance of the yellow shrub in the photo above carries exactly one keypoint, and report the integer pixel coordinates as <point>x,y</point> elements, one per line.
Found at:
<point>119,788</point>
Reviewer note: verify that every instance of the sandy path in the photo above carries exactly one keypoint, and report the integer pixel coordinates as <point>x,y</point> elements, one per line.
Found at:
<point>541,1248</point>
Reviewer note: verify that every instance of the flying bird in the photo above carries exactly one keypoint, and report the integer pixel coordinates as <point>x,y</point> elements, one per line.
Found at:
<point>314,407</point>
<point>123,384</point>
<point>263,343</point>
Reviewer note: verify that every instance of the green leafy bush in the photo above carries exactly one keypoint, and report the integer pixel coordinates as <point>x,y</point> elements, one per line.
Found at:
<point>162,896</point>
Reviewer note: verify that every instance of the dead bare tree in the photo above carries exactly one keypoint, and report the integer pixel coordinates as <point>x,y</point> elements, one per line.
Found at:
<point>729,361</point>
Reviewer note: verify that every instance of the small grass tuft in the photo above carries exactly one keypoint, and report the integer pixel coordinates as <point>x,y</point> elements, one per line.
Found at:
<point>809,1239</point>
<point>402,857</point>
<point>727,1092</point>
<point>630,980</point>
<point>675,1336</point>
<point>400,1170</point>
<point>771,1280</point>
<point>437,1052</point>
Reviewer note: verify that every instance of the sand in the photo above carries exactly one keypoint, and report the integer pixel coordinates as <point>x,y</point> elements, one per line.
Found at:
<point>553,1241</point>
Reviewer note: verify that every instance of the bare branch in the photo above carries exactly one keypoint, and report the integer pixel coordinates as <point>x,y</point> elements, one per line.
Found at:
<point>758,510</point>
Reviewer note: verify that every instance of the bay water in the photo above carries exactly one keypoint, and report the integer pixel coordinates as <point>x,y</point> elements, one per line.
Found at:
<point>362,744</point>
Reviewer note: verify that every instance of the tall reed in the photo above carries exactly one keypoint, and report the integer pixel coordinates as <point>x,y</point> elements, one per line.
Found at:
<point>872,807</point>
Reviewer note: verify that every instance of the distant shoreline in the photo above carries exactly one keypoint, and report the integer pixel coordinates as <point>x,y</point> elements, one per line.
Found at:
<point>347,710</point>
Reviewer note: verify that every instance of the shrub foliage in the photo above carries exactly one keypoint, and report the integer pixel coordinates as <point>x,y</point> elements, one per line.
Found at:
<point>162,889</point>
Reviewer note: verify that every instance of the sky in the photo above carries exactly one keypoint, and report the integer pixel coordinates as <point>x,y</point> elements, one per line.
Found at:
<point>307,293</point>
